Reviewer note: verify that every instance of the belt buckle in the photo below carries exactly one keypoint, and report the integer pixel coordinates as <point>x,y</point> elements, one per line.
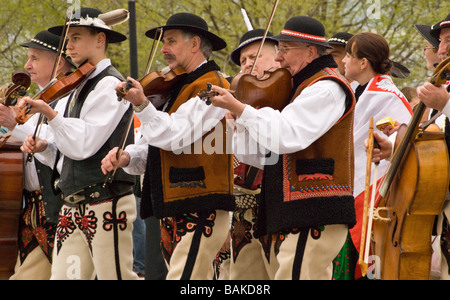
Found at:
<point>74,198</point>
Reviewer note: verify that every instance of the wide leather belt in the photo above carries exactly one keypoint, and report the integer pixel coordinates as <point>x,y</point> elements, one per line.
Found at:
<point>95,193</point>
<point>32,197</point>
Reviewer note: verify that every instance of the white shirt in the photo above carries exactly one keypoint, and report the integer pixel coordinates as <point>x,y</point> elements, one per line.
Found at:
<point>31,181</point>
<point>295,128</point>
<point>175,132</point>
<point>80,138</point>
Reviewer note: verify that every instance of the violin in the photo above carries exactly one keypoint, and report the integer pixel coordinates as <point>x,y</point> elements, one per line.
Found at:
<point>412,195</point>
<point>58,88</point>
<point>273,89</point>
<point>156,82</point>
<point>18,88</point>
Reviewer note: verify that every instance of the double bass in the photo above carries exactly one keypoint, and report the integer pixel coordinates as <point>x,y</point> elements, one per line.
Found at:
<point>412,194</point>
<point>11,185</point>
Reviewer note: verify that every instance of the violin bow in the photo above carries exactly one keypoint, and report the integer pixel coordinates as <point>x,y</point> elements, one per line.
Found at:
<point>62,41</point>
<point>121,94</point>
<point>265,34</point>
<point>367,220</point>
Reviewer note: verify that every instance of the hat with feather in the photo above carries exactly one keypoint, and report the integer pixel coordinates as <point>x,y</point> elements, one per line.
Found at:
<point>93,18</point>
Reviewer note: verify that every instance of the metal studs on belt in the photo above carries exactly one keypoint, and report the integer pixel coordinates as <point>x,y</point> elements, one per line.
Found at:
<point>94,195</point>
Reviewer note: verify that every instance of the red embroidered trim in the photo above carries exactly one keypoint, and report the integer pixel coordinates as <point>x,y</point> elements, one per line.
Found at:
<point>303,35</point>
<point>317,176</point>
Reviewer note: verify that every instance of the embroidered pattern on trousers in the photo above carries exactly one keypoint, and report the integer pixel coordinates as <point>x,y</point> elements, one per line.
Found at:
<point>174,228</point>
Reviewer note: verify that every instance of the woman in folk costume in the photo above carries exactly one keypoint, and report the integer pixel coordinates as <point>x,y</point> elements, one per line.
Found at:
<point>368,63</point>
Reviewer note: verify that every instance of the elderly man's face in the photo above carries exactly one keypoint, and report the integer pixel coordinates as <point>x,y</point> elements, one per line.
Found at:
<point>295,56</point>
<point>444,38</point>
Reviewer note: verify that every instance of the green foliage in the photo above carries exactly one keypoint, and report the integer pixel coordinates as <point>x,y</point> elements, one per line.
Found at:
<point>20,20</point>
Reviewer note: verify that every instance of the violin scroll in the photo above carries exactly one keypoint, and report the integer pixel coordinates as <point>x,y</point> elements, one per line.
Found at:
<point>18,88</point>
<point>206,94</point>
<point>122,92</point>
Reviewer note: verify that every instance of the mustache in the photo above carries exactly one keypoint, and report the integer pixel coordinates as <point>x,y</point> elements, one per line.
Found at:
<point>169,57</point>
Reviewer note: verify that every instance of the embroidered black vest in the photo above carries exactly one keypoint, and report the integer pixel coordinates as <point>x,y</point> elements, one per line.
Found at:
<point>179,183</point>
<point>77,175</point>
<point>313,187</point>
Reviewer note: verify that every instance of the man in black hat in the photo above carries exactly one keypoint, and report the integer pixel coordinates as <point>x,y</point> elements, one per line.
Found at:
<point>94,233</point>
<point>438,98</point>
<point>247,260</point>
<point>188,183</point>
<point>307,203</point>
<point>245,54</point>
<point>431,46</point>
<point>36,234</point>
<point>338,41</point>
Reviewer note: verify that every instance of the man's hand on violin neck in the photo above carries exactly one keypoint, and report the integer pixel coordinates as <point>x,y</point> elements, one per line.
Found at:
<point>39,106</point>
<point>224,99</point>
<point>135,95</point>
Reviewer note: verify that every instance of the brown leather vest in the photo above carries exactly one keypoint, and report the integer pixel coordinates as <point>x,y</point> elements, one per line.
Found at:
<point>199,178</point>
<point>313,187</point>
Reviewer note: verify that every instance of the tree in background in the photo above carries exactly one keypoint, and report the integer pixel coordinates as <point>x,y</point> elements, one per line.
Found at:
<point>20,20</point>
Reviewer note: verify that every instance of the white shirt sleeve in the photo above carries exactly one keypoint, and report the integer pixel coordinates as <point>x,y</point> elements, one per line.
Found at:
<point>297,126</point>
<point>80,138</point>
<point>180,129</point>
<point>138,157</point>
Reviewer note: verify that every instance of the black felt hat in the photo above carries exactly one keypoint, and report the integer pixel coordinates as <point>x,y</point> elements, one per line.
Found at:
<point>89,17</point>
<point>191,23</point>
<point>340,39</point>
<point>436,28</point>
<point>248,38</point>
<point>304,29</point>
<point>45,40</point>
<point>425,31</point>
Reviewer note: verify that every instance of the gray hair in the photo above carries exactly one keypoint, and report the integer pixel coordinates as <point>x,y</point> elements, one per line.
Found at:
<point>205,45</point>
<point>321,50</point>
